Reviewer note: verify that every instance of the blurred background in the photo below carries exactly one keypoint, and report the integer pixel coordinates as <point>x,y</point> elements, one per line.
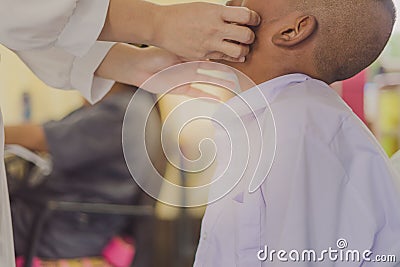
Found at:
<point>374,95</point>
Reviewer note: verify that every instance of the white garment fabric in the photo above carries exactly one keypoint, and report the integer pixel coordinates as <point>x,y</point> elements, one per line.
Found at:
<point>395,161</point>
<point>66,71</point>
<point>330,181</point>
<point>6,238</point>
<point>57,40</point>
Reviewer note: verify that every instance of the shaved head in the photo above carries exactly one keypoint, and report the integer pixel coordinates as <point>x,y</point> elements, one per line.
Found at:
<point>351,34</point>
<point>330,40</point>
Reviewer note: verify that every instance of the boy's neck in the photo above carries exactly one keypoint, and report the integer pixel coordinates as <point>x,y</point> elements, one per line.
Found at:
<point>257,75</point>
<point>257,72</point>
<point>260,67</point>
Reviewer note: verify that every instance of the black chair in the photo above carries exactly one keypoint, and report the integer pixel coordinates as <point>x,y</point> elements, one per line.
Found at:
<point>23,167</point>
<point>50,207</point>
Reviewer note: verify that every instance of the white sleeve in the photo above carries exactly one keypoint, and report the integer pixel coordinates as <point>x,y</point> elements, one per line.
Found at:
<point>57,40</point>
<point>93,88</point>
<point>71,25</point>
<point>62,70</point>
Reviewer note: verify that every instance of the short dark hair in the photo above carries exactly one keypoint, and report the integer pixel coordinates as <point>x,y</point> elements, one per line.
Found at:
<point>352,34</point>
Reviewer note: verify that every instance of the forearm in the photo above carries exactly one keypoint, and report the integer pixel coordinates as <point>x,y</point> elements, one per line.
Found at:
<point>29,136</point>
<point>117,63</point>
<point>193,31</point>
<point>132,65</point>
<point>131,21</point>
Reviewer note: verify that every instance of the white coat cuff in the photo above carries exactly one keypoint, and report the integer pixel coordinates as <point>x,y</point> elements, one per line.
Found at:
<point>84,26</point>
<point>82,74</point>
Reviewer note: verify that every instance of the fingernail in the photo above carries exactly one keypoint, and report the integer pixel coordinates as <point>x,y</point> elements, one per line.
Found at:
<point>242,59</point>
<point>259,19</point>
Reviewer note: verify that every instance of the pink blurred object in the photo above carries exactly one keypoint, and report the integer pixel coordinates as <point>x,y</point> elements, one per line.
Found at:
<point>19,262</point>
<point>119,252</point>
<point>353,93</point>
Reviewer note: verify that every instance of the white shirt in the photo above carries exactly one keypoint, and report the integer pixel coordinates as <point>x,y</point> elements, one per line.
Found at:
<point>395,161</point>
<point>330,181</point>
<point>57,40</point>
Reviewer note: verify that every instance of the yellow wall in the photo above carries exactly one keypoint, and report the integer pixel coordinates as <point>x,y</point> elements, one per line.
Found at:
<point>15,79</point>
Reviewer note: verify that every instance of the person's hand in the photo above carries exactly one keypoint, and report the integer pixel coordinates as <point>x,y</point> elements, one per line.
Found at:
<point>198,31</point>
<point>157,61</point>
<point>131,65</point>
<point>149,61</point>
<point>194,31</point>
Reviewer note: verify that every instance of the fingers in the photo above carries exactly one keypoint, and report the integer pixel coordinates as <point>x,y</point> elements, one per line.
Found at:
<point>217,32</point>
<point>241,15</point>
<point>237,37</point>
<point>234,3</point>
<point>237,51</point>
<point>240,34</point>
<point>222,56</point>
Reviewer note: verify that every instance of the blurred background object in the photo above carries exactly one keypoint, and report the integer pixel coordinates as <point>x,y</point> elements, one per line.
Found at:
<point>80,207</point>
<point>24,97</point>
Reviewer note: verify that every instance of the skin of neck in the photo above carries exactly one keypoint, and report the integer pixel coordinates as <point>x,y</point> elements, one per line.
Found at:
<point>268,59</point>
<point>266,62</point>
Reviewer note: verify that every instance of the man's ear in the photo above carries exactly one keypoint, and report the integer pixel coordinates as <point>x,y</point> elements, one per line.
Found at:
<point>293,35</point>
